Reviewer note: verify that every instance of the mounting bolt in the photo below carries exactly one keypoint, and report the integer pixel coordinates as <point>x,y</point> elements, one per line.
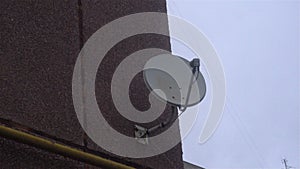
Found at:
<point>141,134</point>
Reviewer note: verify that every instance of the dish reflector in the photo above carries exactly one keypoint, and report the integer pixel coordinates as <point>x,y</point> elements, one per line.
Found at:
<point>169,76</point>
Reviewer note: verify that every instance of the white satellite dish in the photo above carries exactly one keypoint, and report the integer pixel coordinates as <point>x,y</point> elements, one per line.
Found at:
<point>174,80</point>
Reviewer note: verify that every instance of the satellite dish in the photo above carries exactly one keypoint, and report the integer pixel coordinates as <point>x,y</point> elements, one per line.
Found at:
<point>174,80</point>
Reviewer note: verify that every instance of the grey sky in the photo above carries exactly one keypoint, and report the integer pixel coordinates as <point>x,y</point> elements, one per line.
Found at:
<point>258,44</point>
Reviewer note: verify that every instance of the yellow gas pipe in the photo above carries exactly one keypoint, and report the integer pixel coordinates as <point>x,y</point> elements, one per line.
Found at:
<point>42,143</point>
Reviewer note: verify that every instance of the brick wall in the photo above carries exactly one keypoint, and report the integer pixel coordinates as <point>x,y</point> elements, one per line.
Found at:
<point>40,42</point>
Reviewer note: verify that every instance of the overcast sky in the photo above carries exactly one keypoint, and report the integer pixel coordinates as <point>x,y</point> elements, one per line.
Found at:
<point>258,44</point>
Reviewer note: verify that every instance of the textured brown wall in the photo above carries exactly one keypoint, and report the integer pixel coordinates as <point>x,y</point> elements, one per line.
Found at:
<point>40,42</point>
